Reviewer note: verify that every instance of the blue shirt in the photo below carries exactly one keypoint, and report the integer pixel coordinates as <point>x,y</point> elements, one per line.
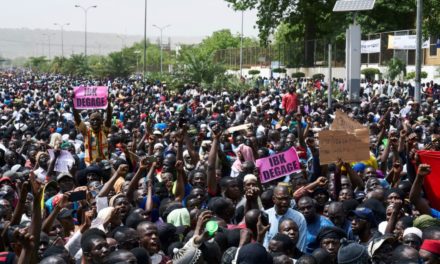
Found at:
<point>313,230</point>
<point>275,220</point>
<point>435,213</point>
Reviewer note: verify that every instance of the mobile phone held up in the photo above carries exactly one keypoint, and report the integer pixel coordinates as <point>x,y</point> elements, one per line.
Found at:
<point>77,196</point>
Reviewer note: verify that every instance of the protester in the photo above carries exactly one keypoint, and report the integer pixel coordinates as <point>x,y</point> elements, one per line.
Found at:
<point>145,174</point>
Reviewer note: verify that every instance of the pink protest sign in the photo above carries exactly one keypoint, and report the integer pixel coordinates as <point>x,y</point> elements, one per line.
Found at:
<point>278,165</point>
<point>90,97</point>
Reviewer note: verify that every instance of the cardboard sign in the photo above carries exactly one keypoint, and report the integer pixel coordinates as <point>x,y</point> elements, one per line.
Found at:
<point>64,161</point>
<point>334,145</point>
<point>90,97</point>
<point>239,128</point>
<point>278,165</point>
<point>343,122</point>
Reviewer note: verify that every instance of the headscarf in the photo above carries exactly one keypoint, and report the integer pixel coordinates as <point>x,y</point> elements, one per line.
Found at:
<point>425,221</point>
<point>103,217</point>
<point>432,246</point>
<point>246,152</point>
<point>179,217</point>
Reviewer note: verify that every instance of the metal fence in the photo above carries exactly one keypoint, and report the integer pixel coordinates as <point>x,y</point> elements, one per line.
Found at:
<point>314,53</point>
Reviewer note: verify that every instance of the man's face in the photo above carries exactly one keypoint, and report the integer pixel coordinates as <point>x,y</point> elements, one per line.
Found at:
<point>96,122</point>
<point>345,194</point>
<point>290,229</point>
<point>100,249</point>
<point>412,240</point>
<point>275,246</point>
<point>66,184</point>
<point>199,180</point>
<point>281,199</point>
<point>337,216</point>
<point>358,225</point>
<point>331,245</point>
<point>150,239</point>
<point>232,190</point>
<point>306,207</point>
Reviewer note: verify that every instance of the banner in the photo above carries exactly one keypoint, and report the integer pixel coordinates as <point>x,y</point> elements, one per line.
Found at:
<point>90,97</point>
<point>370,46</point>
<point>405,42</point>
<point>432,181</point>
<point>278,165</point>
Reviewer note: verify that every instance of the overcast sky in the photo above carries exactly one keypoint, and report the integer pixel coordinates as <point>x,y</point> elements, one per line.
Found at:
<point>186,17</point>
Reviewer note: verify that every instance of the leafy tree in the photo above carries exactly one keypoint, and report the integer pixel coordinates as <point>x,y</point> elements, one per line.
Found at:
<point>56,65</point>
<point>370,73</point>
<point>38,64</point>
<point>198,66</point>
<point>412,75</point>
<point>298,75</point>
<point>314,19</point>
<point>395,67</point>
<point>77,65</point>
<point>254,72</point>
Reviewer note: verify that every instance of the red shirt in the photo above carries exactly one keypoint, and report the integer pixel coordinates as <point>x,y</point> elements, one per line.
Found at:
<point>290,102</point>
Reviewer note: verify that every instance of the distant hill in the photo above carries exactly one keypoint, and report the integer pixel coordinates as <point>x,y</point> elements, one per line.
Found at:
<point>15,43</point>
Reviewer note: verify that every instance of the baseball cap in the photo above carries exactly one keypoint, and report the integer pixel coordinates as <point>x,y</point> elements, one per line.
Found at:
<point>63,175</point>
<point>363,213</point>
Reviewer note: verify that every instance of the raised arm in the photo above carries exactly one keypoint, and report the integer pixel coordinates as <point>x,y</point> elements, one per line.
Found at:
<point>143,166</point>
<point>48,222</point>
<point>121,171</point>
<point>414,195</point>
<point>212,182</point>
<point>108,118</point>
<point>355,179</point>
<point>149,203</point>
<point>180,183</point>
<point>301,140</point>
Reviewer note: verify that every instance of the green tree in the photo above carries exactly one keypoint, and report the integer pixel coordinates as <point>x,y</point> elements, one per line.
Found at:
<point>76,65</point>
<point>38,64</point>
<point>314,19</point>
<point>195,65</point>
<point>395,68</point>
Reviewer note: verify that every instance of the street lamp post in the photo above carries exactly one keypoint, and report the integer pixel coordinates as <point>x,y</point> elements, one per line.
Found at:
<point>241,45</point>
<point>161,46</point>
<point>85,25</point>
<point>48,39</point>
<point>145,41</point>
<point>62,36</point>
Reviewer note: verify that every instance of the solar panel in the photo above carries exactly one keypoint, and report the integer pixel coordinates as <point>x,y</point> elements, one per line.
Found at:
<point>353,5</point>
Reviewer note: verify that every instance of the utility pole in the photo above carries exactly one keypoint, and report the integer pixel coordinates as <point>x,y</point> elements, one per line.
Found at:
<point>419,56</point>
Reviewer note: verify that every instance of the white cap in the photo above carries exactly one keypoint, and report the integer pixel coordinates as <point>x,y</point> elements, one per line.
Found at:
<point>413,230</point>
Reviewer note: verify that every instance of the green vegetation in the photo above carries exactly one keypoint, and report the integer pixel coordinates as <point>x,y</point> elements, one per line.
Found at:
<point>254,72</point>
<point>279,70</point>
<point>395,68</point>
<point>298,75</point>
<point>318,76</point>
<point>370,73</point>
<point>412,75</point>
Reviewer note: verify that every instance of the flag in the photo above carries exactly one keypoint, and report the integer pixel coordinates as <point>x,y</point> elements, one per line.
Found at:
<point>432,181</point>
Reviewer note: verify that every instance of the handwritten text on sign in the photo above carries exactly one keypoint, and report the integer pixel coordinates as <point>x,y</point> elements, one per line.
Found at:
<point>279,165</point>
<point>90,97</point>
<point>334,145</point>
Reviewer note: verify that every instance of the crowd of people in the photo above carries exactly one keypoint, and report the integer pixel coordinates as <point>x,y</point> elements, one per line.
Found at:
<point>160,177</point>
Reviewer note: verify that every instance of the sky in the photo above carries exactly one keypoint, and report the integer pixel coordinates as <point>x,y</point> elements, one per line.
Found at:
<point>191,18</point>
